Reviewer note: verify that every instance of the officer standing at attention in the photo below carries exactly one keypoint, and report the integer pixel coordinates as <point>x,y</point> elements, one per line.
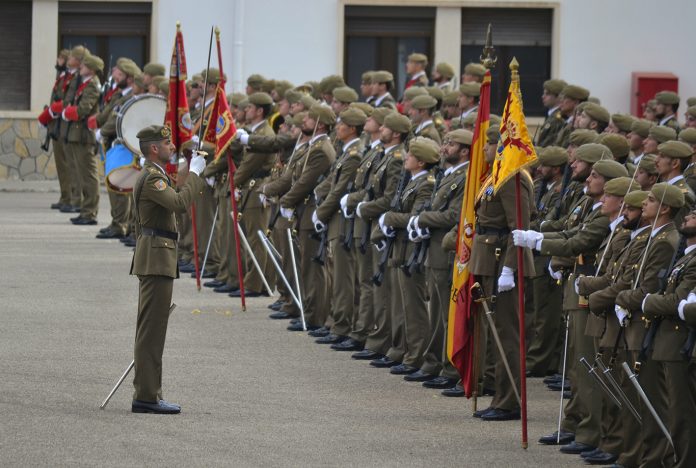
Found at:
<point>155,261</point>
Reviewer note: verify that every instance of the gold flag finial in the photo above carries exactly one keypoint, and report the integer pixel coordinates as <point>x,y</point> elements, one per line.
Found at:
<point>178,25</point>
<point>488,59</point>
<point>514,67</point>
<point>217,32</point>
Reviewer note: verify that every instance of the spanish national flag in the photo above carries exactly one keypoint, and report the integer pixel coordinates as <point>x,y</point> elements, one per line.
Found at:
<point>460,330</point>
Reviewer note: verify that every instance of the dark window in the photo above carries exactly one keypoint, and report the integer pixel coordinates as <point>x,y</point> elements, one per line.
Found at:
<point>524,33</point>
<point>381,38</point>
<point>15,53</point>
<point>108,29</point>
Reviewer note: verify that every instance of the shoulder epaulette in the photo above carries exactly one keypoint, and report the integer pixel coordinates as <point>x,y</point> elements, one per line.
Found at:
<point>397,154</point>
<point>431,179</point>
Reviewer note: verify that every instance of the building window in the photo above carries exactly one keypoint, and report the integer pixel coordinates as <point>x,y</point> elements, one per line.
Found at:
<point>108,29</point>
<point>381,38</point>
<point>524,33</point>
<point>15,50</point>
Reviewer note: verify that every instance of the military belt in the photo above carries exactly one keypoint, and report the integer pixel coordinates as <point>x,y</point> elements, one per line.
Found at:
<point>152,232</point>
<point>485,230</point>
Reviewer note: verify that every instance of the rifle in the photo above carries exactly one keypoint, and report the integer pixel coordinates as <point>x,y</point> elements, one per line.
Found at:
<point>323,237</point>
<point>348,224</point>
<point>107,85</point>
<point>367,226</point>
<point>389,243</point>
<point>567,173</point>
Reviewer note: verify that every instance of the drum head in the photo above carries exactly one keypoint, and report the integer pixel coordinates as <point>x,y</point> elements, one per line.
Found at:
<point>136,114</point>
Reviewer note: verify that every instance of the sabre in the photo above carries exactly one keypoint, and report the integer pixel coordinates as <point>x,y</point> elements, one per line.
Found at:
<point>563,375</point>
<point>125,373</point>
<point>297,278</point>
<point>253,259</point>
<point>593,372</point>
<point>265,242</point>
<point>606,371</point>
<point>210,240</point>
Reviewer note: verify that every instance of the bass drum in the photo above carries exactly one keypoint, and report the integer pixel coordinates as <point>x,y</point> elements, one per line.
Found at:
<point>122,169</point>
<point>137,113</point>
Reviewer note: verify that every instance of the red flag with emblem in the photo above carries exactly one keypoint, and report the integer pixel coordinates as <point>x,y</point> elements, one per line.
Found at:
<point>177,117</point>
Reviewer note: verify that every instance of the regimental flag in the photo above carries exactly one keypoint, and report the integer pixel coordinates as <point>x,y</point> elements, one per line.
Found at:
<point>221,128</point>
<point>177,117</point>
<point>515,148</point>
<point>460,332</point>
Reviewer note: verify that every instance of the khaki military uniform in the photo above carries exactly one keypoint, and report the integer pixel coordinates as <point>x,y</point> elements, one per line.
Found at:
<point>548,133</point>
<point>70,88</point>
<point>65,176</point>
<point>429,131</point>
<point>386,101</point>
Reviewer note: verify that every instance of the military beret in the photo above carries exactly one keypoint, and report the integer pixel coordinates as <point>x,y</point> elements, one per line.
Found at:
<point>156,80</point>
<point>445,69</point>
<point>79,52</point>
<point>647,163</point>
<point>93,62</point>
<point>154,133</point>
<point>610,169</point>
<point>575,92</point>
<point>382,76</point>
<point>139,80</point>
<point>281,87</point>
<point>691,101</point>
<point>260,99</point>
<point>470,89</point>
<point>212,74</point>
<point>582,136</point>
<point>635,198</point>
<point>667,97</point>
<point>469,120</point>
<point>424,102</point>
<point>236,98</point>
<point>581,107</point>
<point>593,152</point>
<point>244,102</point>
<point>620,186</point>
<point>314,90</point>
<point>353,117</point>
<point>322,113</point>
<point>554,86</point>
<point>596,112</point>
<point>305,88</point>
<point>329,83</point>
<point>660,133</point>
<point>462,136</point>
<point>670,195</point>
<point>366,77</point>
<point>413,92</point>
<point>494,119</point>
<point>641,127</point>
<point>450,98</point>
<point>492,134</point>
<point>553,156</point>
<point>650,104</point>
<point>293,96</point>
<point>418,58</point>
<point>363,106</point>
<point>255,80</point>
<point>691,110</point>
<point>618,144</point>
<point>594,99</point>
<point>397,122</point>
<point>128,67</point>
<point>475,69</point>
<point>307,100</point>
<point>622,121</point>
<point>435,92</point>
<point>64,53</point>
<point>688,136</point>
<point>164,87</point>
<point>345,94</point>
<point>298,119</point>
<point>268,86</point>
<point>154,69</point>
<point>424,149</point>
<point>380,114</point>
<point>675,149</point>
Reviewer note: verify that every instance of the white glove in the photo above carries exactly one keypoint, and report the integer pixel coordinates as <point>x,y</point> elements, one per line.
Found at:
<point>681,306</point>
<point>412,230</point>
<point>577,284</point>
<point>527,239</point>
<point>344,207</point>
<point>642,304</point>
<point>380,245</point>
<point>387,230</point>
<point>197,164</point>
<point>262,198</point>
<point>506,281</point>
<point>357,209</point>
<point>97,135</point>
<point>242,136</point>
<point>557,275</point>
<point>287,213</point>
<point>142,161</point>
<point>195,139</point>
<point>621,315</point>
<point>237,194</point>
<point>424,233</point>
<point>210,181</point>
<point>691,298</point>
<point>318,225</point>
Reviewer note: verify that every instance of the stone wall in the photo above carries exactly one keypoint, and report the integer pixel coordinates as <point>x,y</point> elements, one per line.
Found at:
<point>21,156</point>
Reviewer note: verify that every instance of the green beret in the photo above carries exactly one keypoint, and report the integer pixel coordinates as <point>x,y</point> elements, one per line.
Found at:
<point>244,102</point>
<point>495,119</point>
<point>641,127</point>
<point>281,87</point>
<point>157,80</point>
<point>620,186</point>
<point>691,101</point>
<point>581,107</point>
<point>424,102</point>
<point>366,77</point>
<point>445,69</point>
<point>236,98</point>
<point>650,104</point>
<point>435,92</point>
<point>582,136</point>
<point>255,80</point>
<point>323,114</point>
<point>382,76</point>
<point>622,121</point>
<point>691,110</point>
<point>670,195</point>
<point>213,75</point>
<point>475,69</point>
<point>380,114</point>
<point>164,87</point>
<point>93,62</point>
<point>596,112</point>
<point>154,133</point>
<point>305,88</point>
<point>329,83</point>
<point>470,89</point>
<point>418,58</point>
<point>414,91</point>
<point>554,86</point>
<point>675,149</point>
<point>424,149</point>
<point>688,136</point>
<point>462,136</point>
<point>79,52</point>
<point>139,81</point>
<point>594,99</point>
<point>363,106</point>
<point>298,118</point>
<point>128,67</point>
<point>307,100</point>
<point>353,117</point>
<point>469,120</point>
<point>450,98</point>
<point>553,156</point>
<point>293,96</point>
<point>493,134</point>
<point>618,144</point>
<point>196,77</point>
<point>661,133</point>
<point>610,169</point>
<point>345,94</point>
<point>397,122</point>
<point>268,86</point>
<point>260,99</point>
<point>593,152</point>
<point>667,97</point>
<point>313,89</point>
<point>154,69</point>
<point>64,54</point>
<point>575,92</point>
<point>647,163</point>
<point>635,199</point>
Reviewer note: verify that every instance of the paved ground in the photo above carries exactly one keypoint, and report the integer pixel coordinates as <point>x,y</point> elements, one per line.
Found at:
<point>252,393</point>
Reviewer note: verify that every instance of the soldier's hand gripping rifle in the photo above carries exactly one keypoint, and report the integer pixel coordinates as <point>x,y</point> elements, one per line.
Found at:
<point>367,225</point>
<point>108,82</point>
<point>323,237</point>
<point>348,223</point>
<point>388,244</point>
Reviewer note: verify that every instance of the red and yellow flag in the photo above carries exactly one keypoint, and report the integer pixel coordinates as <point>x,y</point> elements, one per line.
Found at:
<point>177,117</point>
<point>460,330</point>
<point>515,148</point>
